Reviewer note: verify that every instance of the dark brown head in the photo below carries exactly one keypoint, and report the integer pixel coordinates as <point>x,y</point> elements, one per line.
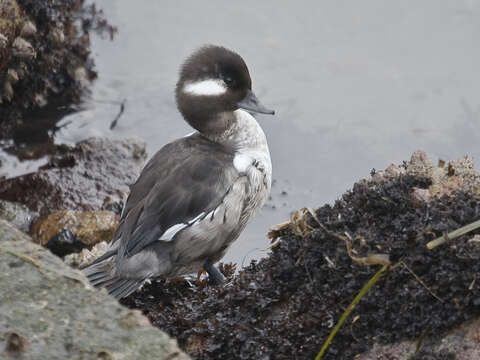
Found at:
<point>214,81</point>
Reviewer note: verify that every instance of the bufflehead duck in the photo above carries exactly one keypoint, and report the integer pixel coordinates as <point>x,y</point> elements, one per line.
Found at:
<point>197,194</point>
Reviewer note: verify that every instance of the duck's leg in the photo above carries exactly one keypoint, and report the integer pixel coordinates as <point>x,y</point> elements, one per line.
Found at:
<point>214,274</point>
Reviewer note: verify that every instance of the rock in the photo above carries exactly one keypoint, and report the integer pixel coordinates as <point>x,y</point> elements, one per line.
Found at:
<point>390,172</point>
<point>64,243</point>
<point>81,76</point>
<point>420,196</point>
<point>57,35</point>
<point>3,41</point>
<point>455,175</point>
<point>40,100</point>
<point>49,311</point>
<point>420,164</point>
<point>86,256</point>
<point>28,29</point>
<point>12,76</point>
<point>88,227</point>
<point>22,49</point>
<point>447,178</point>
<point>79,178</point>
<point>462,342</point>
<point>17,214</point>
<point>393,170</point>
<point>8,91</point>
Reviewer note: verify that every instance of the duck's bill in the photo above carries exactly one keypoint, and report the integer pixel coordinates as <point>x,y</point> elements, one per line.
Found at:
<point>251,103</point>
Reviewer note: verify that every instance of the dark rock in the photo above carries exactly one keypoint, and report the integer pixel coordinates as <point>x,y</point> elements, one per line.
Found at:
<point>65,243</point>
<point>79,178</point>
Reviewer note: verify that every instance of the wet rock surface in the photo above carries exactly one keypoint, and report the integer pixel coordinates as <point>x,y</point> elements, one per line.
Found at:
<point>44,59</point>
<point>49,311</point>
<point>284,306</point>
<point>93,175</point>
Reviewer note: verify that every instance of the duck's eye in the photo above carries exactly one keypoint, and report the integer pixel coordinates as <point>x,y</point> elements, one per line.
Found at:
<point>228,80</point>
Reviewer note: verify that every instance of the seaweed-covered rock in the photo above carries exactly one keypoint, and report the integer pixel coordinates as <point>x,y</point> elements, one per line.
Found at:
<point>89,176</point>
<point>284,306</point>
<point>48,311</point>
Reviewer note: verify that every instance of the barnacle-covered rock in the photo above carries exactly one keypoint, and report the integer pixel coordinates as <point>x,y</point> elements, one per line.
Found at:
<point>57,36</point>
<point>7,91</point>
<point>22,48</point>
<point>3,41</point>
<point>12,76</point>
<point>28,29</point>
<point>44,42</point>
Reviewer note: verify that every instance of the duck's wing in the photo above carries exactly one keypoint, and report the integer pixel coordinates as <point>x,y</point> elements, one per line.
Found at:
<point>184,181</point>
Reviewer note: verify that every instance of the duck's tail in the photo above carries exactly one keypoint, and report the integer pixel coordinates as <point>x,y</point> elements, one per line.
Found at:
<point>102,274</point>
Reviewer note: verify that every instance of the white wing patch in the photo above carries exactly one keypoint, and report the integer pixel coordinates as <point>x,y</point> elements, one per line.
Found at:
<point>196,218</point>
<point>206,87</point>
<point>172,231</point>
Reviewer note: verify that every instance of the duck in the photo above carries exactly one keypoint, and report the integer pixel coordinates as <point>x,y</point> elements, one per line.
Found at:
<point>195,196</point>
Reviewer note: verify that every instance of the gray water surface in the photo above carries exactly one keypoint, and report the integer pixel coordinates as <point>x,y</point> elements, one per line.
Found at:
<point>356,85</point>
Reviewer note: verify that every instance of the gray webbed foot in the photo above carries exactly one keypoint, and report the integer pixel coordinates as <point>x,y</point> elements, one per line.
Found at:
<point>214,274</point>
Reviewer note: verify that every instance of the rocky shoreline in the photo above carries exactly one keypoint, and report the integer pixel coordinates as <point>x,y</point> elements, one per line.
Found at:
<point>427,305</point>
<point>285,305</point>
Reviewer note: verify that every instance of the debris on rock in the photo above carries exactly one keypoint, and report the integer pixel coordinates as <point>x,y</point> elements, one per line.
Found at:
<point>88,227</point>
<point>94,172</point>
<point>284,306</point>
<point>86,256</point>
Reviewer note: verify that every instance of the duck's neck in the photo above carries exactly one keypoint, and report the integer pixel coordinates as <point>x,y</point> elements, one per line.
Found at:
<point>241,132</point>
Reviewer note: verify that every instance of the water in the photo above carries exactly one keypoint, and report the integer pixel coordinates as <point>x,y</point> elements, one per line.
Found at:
<point>355,85</point>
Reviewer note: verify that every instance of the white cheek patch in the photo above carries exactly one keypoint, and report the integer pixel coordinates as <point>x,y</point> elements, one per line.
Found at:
<point>205,87</point>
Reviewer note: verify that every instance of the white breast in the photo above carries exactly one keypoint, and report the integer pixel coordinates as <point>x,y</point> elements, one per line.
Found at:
<point>252,158</point>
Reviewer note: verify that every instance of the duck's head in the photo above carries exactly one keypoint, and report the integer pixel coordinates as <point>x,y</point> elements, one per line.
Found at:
<point>214,82</point>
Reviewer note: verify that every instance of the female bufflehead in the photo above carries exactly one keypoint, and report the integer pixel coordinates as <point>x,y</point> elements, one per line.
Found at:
<point>195,196</point>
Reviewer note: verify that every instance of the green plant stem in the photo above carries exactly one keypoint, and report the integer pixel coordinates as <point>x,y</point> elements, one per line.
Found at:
<point>349,309</point>
<point>454,234</point>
